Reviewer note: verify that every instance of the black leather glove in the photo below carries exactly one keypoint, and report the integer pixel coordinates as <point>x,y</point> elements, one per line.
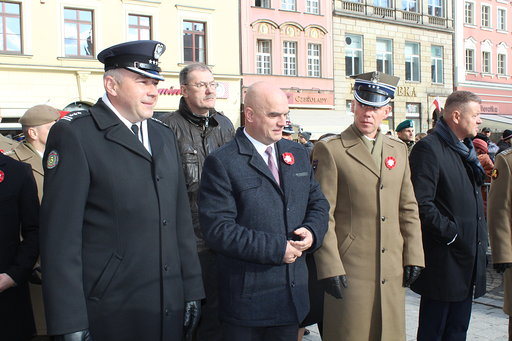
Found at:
<point>501,267</point>
<point>191,319</point>
<point>411,273</point>
<point>333,285</point>
<point>82,335</point>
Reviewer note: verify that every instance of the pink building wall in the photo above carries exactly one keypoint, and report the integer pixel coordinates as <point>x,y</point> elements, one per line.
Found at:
<point>287,26</point>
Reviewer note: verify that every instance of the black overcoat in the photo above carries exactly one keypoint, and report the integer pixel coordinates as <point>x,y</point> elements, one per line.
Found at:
<point>19,214</point>
<point>450,204</point>
<point>247,218</point>
<point>118,248</point>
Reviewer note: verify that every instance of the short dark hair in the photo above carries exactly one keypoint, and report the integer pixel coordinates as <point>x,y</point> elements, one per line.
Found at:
<point>458,101</point>
<point>189,68</point>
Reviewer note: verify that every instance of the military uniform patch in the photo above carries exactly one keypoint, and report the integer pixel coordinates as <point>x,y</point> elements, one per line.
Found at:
<point>494,174</point>
<point>53,159</point>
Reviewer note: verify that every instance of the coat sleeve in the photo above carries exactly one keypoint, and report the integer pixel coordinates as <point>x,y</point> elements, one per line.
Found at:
<point>499,215</point>
<point>218,219</point>
<point>410,226</point>
<point>425,170</point>
<point>28,208</point>
<point>327,257</point>
<point>66,186</point>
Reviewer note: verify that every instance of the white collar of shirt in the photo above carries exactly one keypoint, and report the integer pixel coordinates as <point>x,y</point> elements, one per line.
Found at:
<point>142,125</point>
<point>260,148</point>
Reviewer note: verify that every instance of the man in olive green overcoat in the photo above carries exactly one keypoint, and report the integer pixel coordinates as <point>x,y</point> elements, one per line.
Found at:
<point>374,238</point>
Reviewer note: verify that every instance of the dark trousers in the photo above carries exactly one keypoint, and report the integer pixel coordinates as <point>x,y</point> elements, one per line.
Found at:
<point>277,333</point>
<point>209,328</point>
<point>444,321</point>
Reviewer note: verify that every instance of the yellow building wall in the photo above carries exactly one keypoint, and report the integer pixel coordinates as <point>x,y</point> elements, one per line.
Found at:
<point>43,75</point>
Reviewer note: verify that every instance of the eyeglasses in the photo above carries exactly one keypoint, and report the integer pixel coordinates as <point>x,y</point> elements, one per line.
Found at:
<point>204,85</point>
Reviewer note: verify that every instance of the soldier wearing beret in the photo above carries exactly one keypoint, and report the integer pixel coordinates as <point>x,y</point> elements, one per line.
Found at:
<point>373,247</point>
<point>405,132</point>
<point>35,124</point>
<point>117,244</point>
<point>499,221</point>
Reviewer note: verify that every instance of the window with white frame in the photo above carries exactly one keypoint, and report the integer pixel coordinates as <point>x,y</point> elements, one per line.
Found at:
<point>486,16</point>
<point>290,58</point>
<point>385,56</point>
<point>412,62</point>
<point>469,13</point>
<point>502,64</point>
<point>289,5</point>
<point>486,62</point>
<point>314,61</point>
<point>262,3</point>
<point>353,54</point>
<point>502,19</point>
<point>264,57</point>
<point>410,5</point>
<point>10,30</point>
<point>383,3</point>
<point>313,6</point>
<point>78,32</point>
<point>139,27</point>
<point>470,60</point>
<point>435,8</point>
<point>437,64</point>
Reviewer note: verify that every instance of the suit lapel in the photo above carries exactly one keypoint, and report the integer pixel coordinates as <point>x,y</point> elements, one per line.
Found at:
<point>116,131</point>
<point>255,160</point>
<point>155,139</point>
<point>285,170</point>
<point>357,150</point>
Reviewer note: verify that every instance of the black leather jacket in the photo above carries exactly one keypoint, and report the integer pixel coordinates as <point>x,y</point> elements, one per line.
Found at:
<point>197,137</point>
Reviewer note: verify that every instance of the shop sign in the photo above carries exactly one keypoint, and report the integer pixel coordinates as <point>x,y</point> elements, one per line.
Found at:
<point>310,98</point>
<point>489,109</point>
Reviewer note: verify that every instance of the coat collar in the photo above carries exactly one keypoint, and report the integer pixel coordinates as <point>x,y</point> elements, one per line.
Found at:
<point>245,147</point>
<point>116,131</point>
<point>27,153</point>
<point>351,139</point>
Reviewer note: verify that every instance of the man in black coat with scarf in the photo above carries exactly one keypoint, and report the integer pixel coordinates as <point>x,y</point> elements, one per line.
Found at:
<point>447,177</point>
<point>19,215</point>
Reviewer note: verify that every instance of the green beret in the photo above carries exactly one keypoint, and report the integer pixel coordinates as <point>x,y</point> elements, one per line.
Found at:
<point>404,124</point>
<point>39,115</point>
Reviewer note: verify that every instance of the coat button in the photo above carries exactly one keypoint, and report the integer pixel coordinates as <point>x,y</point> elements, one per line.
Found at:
<point>383,249</point>
<point>164,221</point>
<point>381,186</point>
<point>383,218</point>
<point>166,267</point>
<point>157,178</point>
<point>166,312</point>
<point>383,281</point>
<point>293,284</point>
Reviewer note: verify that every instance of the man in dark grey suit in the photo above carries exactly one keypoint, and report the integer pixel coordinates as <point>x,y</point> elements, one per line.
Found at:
<point>261,210</point>
<point>117,245</point>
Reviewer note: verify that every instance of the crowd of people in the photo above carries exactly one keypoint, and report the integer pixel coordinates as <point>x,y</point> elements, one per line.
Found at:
<point>184,228</point>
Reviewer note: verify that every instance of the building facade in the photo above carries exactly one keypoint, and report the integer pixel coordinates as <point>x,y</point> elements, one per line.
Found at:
<point>289,43</point>
<point>48,49</point>
<point>410,39</point>
<point>483,43</point>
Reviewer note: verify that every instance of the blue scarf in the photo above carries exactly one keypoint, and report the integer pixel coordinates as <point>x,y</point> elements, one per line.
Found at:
<point>465,149</point>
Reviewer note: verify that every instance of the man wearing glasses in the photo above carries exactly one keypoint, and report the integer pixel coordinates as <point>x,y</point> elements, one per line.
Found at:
<point>200,129</point>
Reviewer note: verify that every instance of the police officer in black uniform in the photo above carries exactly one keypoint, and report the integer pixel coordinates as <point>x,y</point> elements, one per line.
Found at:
<point>118,248</point>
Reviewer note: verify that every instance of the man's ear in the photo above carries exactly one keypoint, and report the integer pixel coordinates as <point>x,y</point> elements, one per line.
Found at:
<point>387,112</point>
<point>249,114</point>
<point>32,133</point>
<point>184,90</point>
<point>455,117</point>
<point>110,85</point>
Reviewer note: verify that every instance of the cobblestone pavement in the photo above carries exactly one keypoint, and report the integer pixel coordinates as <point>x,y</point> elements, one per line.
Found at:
<point>488,321</point>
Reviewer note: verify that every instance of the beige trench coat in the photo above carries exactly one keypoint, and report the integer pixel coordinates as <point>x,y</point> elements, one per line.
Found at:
<point>374,231</point>
<point>499,219</point>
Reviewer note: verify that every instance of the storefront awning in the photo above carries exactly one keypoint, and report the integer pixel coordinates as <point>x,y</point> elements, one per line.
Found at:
<point>320,122</point>
<point>497,123</point>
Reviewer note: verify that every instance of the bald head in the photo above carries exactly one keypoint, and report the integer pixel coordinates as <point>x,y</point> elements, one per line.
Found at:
<point>265,111</point>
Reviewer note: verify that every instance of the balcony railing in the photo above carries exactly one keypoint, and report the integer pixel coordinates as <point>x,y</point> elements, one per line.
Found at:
<point>366,8</point>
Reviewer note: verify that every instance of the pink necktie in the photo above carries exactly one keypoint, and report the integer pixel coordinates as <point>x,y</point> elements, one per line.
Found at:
<point>271,164</point>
